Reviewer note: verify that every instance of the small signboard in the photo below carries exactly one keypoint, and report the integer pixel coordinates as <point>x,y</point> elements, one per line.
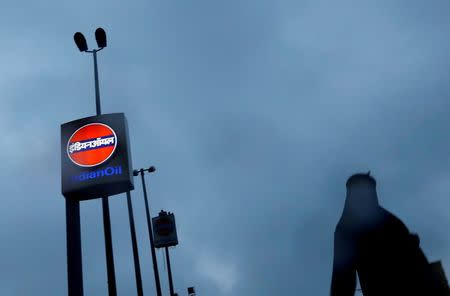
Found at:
<point>164,230</point>
<point>191,291</point>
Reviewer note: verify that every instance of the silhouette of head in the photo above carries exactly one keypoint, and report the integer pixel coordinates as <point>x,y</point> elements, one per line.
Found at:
<point>361,199</point>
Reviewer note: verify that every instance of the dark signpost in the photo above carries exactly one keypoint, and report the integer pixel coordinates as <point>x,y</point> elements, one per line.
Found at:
<point>165,236</point>
<point>191,291</point>
<point>164,230</point>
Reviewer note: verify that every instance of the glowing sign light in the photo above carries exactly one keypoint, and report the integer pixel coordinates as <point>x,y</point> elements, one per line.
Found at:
<point>108,171</point>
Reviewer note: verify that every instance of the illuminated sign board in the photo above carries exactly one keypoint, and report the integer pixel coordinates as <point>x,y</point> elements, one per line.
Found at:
<point>164,230</point>
<point>95,157</point>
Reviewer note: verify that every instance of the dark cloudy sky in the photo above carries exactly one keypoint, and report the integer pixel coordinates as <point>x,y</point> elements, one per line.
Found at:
<point>254,113</point>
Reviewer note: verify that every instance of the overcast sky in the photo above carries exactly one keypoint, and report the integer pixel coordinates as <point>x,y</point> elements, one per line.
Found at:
<point>253,112</point>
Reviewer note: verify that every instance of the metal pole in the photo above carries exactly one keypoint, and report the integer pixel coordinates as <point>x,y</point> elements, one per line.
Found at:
<point>150,233</point>
<point>169,271</point>
<point>97,88</point>
<point>108,248</point>
<point>137,267</point>
<point>74,257</point>
<point>105,204</point>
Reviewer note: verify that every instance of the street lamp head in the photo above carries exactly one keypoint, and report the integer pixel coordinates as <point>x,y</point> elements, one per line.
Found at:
<point>100,36</point>
<point>135,173</point>
<point>151,169</point>
<point>80,41</point>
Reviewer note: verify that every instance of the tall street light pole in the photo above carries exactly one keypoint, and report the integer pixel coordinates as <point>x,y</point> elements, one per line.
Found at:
<point>150,231</point>
<point>80,41</point>
<point>100,37</point>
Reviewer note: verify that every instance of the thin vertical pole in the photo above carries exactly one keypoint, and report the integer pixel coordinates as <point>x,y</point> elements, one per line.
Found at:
<point>108,248</point>
<point>150,233</point>
<point>137,267</point>
<point>105,204</point>
<point>74,256</point>
<point>169,271</point>
<point>97,88</point>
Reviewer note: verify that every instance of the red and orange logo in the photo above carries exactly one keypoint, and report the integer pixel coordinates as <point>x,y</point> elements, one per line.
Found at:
<point>92,144</point>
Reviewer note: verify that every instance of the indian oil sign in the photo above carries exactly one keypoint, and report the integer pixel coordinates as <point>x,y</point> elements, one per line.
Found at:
<point>95,157</point>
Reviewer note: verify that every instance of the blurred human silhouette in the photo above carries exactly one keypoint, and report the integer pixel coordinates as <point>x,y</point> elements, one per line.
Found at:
<point>377,245</point>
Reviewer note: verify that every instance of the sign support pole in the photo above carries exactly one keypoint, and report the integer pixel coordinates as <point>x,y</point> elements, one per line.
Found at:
<point>169,271</point>
<point>73,241</point>
<point>108,248</point>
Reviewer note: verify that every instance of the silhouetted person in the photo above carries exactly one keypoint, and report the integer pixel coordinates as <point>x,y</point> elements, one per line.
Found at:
<point>374,243</point>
